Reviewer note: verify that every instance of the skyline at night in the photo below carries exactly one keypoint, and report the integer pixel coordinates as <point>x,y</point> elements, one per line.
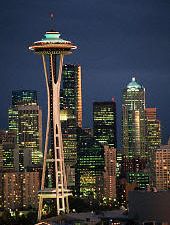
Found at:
<point>116,40</point>
<point>85,137</point>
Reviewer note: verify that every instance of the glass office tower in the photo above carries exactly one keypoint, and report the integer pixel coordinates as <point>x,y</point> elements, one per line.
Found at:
<point>90,166</point>
<point>71,116</point>
<point>134,128</point>
<point>153,139</point>
<point>25,118</point>
<point>104,123</point>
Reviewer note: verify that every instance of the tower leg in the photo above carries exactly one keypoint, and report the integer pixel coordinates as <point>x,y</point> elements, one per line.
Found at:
<point>57,189</point>
<point>40,208</point>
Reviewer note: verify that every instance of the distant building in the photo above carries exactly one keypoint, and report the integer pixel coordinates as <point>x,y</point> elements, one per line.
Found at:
<point>132,165</point>
<point>104,123</point>
<point>134,127</point>
<point>141,179</point>
<point>110,173</point>
<point>25,118</point>
<point>90,166</point>
<point>119,157</point>
<point>71,97</point>
<point>162,167</point>
<point>20,190</point>
<point>8,145</point>
<point>153,139</point>
<point>71,116</point>
<point>149,207</point>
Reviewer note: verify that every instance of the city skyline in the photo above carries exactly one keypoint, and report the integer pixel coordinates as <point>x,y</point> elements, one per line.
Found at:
<point>141,50</point>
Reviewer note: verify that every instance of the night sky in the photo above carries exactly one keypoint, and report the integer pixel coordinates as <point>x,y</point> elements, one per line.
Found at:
<point>116,39</point>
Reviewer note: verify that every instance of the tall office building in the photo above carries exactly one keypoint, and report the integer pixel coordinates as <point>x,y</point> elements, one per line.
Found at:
<point>110,173</point>
<point>104,123</point>
<point>153,139</point>
<point>90,166</point>
<point>25,118</point>
<point>153,126</point>
<point>71,116</point>
<point>162,167</point>
<point>134,128</point>
<point>71,93</point>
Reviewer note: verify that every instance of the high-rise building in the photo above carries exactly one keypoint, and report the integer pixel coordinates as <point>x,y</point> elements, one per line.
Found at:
<point>134,128</point>
<point>71,116</point>
<point>25,118</point>
<point>90,166</point>
<point>110,173</point>
<point>71,92</point>
<point>104,123</point>
<point>162,167</point>
<point>153,136</point>
<point>153,139</point>
<point>13,158</point>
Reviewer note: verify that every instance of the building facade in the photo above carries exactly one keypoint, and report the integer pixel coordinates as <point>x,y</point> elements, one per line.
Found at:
<point>90,166</point>
<point>8,145</point>
<point>25,118</point>
<point>104,123</point>
<point>19,190</point>
<point>153,139</point>
<point>71,116</point>
<point>110,173</point>
<point>162,167</point>
<point>133,121</point>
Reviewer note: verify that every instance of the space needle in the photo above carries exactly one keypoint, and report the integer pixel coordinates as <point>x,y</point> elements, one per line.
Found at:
<point>52,49</point>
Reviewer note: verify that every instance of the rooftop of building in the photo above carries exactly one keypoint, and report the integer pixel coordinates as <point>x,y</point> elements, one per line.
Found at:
<point>134,84</point>
<point>85,217</point>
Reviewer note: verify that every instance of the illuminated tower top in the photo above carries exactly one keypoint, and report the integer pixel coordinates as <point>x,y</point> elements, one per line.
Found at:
<point>133,84</point>
<point>52,44</point>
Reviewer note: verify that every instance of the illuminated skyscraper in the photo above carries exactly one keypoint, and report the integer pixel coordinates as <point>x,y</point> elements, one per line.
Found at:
<point>54,184</point>
<point>153,131</point>
<point>110,173</point>
<point>25,118</point>
<point>71,116</point>
<point>71,97</point>
<point>104,123</point>
<point>134,128</point>
<point>90,165</point>
<point>153,139</point>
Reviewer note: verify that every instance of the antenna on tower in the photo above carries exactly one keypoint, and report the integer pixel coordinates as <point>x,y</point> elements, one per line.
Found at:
<point>52,20</point>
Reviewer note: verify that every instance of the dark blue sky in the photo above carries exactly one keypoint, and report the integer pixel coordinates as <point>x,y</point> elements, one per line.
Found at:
<point>116,39</point>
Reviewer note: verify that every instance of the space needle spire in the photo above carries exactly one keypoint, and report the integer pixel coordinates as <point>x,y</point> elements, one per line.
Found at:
<point>52,49</point>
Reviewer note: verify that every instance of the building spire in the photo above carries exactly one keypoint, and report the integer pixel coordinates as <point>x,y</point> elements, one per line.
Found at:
<point>52,21</point>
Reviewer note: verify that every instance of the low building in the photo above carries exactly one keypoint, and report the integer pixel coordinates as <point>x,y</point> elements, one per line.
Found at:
<point>149,206</point>
<point>162,167</point>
